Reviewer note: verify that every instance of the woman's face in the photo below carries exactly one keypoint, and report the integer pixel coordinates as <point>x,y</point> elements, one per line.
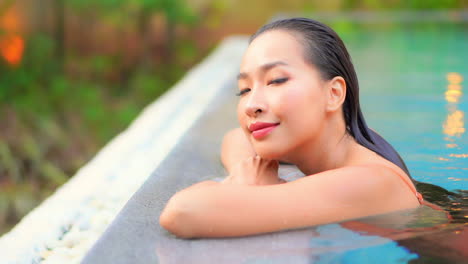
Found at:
<point>282,105</point>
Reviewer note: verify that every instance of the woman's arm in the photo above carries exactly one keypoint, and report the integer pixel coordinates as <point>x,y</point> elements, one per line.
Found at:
<point>223,210</point>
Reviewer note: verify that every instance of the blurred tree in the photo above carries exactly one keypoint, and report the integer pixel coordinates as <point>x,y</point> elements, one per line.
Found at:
<point>59,33</point>
<point>174,12</point>
<point>4,6</point>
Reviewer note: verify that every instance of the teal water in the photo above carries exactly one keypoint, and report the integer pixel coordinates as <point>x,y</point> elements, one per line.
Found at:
<point>405,71</point>
<point>414,84</point>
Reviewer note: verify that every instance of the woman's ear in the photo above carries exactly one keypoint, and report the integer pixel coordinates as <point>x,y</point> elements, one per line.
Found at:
<point>336,93</point>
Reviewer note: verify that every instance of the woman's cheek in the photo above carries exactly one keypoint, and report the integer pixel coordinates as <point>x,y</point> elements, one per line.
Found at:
<point>288,102</point>
<point>240,113</point>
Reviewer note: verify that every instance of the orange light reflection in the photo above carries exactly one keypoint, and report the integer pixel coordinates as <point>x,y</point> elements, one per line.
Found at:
<point>459,155</point>
<point>453,96</point>
<point>454,124</point>
<point>454,77</point>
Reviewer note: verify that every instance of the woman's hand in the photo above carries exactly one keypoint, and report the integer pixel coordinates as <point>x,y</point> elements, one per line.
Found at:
<point>235,148</point>
<point>254,171</point>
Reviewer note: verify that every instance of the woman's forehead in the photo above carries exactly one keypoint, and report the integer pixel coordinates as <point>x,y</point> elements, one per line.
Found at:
<point>271,46</point>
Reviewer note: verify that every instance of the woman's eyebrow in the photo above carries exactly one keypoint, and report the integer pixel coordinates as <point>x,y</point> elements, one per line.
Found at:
<point>265,67</point>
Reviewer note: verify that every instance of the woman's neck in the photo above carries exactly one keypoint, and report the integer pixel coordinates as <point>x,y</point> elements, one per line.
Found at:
<point>332,149</point>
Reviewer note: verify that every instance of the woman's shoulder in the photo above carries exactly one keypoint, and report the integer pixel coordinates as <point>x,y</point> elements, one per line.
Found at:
<point>365,179</point>
<point>373,165</point>
<point>384,170</point>
<point>354,181</point>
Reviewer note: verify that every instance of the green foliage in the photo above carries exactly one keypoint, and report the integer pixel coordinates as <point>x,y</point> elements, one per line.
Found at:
<point>175,11</point>
<point>9,163</point>
<point>5,5</point>
<point>55,119</point>
<point>430,4</point>
<point>402,4</point>
<point>20,82</point>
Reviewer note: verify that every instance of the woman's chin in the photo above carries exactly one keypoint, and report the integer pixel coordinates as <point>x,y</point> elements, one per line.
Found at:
<point>269,154</point>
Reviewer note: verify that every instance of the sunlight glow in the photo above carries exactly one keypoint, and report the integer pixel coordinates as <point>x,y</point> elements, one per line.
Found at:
<point>459,155</point>
<point>11,49</point>
<point>454,78</point>
<point>11,41</point>
<point>454,124</point>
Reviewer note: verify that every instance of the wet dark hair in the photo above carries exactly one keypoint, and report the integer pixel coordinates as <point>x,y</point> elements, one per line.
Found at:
<point>324,49</point>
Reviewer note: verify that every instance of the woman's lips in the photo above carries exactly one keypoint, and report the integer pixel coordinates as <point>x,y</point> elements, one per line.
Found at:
<point>262,129</point>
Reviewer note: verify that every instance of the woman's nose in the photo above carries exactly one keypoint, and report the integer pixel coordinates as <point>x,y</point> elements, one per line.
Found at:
<point>255,104</point>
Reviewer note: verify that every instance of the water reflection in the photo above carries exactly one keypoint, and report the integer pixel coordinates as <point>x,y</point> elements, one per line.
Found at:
<point>459,155</point>
<point>454,78</point>
<point>454,125</point>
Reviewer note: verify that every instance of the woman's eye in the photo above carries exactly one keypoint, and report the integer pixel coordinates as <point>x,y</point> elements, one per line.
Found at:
<point>243,91</point>
<point>278,81</point>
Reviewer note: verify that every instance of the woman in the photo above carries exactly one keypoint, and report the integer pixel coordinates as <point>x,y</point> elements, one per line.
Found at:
<point>298,103</point>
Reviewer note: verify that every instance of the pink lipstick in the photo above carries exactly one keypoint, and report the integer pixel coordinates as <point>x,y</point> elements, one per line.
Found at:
<point>262,129</point>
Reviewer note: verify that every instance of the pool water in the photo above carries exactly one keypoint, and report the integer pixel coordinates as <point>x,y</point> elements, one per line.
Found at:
<point>413,78</point>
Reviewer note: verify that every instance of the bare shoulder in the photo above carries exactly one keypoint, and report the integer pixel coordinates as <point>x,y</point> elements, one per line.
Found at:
<point>380,176</point>
<point>358,184</point>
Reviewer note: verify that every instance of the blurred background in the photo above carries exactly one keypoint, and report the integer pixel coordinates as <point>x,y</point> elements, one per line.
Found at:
<point>75,73</point>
